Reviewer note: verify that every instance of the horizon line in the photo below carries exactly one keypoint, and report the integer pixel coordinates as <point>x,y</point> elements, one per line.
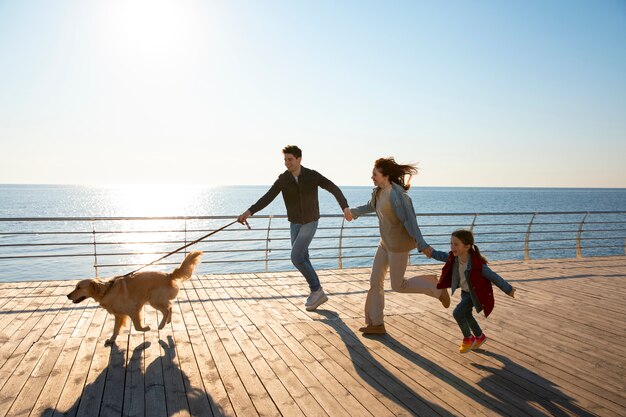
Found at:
<point>192,185</point>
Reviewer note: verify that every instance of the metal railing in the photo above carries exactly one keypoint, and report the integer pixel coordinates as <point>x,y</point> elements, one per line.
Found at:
<point>70,247</point>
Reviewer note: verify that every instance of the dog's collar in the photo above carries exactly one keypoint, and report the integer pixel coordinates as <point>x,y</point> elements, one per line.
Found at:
<point>110,284</point>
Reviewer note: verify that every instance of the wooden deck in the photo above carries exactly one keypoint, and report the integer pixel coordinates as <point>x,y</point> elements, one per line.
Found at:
<point>244,345</point>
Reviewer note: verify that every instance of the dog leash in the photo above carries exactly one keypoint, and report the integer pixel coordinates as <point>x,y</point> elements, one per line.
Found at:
<point>186,246</point>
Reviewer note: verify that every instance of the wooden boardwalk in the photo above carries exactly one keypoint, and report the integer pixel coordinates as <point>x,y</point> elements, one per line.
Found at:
<point>243,345</point>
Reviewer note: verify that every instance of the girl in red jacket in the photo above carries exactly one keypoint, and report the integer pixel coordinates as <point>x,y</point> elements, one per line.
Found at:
<point>466,268</point>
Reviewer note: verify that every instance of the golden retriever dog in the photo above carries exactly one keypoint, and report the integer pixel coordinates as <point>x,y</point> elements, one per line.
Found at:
<point>125,296</point>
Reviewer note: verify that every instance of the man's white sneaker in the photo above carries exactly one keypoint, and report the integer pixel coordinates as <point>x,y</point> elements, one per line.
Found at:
<point>316,299</point>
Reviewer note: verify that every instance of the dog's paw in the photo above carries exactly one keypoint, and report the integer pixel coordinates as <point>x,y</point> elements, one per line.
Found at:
<point>109,342</point>
<point>145,329</point>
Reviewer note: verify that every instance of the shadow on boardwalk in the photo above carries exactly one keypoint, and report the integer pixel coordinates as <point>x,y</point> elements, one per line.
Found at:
<point>119,389</point>
<point>532,388</point>
<point>374,373</point>
<point>499,396</point>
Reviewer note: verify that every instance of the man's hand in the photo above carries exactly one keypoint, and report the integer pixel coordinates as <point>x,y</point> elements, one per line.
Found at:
<point>244,216</point>
<point>428,252</point>
<point>347,214</point>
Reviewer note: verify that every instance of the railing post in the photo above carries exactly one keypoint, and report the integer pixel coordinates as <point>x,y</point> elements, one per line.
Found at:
<point>340,260</point>
<point>473,222</point>
<point>95,250</point>
<point>526,245</point>
<point>579,248</point>
<point>185,254</point>
<point>267,242</point>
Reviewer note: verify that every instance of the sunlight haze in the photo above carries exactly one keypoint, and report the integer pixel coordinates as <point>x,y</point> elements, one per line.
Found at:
<point>485,93</point>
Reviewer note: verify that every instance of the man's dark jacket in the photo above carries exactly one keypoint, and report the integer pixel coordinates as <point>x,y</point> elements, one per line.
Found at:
<point>300,197</point>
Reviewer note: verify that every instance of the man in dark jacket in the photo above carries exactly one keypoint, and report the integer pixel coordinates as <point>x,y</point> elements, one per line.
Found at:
<point>299,188</point>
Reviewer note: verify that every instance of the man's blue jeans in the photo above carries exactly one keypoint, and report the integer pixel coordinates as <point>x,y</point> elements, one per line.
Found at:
<point>301,237</point>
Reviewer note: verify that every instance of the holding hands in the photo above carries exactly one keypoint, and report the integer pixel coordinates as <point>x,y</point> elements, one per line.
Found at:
<point>347,214</point>
<point>428,252</point>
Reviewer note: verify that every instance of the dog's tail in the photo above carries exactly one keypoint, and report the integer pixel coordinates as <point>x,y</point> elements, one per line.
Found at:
<point>185,269</point>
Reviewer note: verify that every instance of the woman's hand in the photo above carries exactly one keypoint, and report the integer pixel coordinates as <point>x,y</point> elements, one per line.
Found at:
<point>347,214</point>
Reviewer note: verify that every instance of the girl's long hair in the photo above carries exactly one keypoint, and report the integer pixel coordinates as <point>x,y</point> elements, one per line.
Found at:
<point>467,237</point>
<point>395,171</point>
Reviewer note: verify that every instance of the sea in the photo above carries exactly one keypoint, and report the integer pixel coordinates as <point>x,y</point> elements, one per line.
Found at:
<point>41,238</point>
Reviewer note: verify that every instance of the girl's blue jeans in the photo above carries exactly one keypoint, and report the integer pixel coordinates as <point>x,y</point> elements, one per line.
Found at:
<point>301,237</point>
<point>463,316</point>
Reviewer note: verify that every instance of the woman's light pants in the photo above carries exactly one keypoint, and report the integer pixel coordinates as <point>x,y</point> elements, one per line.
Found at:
<point>396,263</point>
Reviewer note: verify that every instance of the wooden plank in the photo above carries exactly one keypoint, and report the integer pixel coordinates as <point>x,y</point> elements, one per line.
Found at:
<point>154,385</point>
<point>185,325</point>
<point>248,302</point>
<point>59,348</point>
<point>391,391</point>
<point>175,396</point>
<point>451,368</point>
<point>24,352</point>
<point>19,326</point>
<point>520,358</point>
<point>33,385</point>
<point>305,400</point>
<point>213,386</point>
<point>320,348</point>
<point>134,384</point>
<point>16,298</point>
<point>255,389</point>
<point>318,364</point>
<point>572,355</point>
<point>303,367</point>
<point>241,402</point>
<point>348,298</point>
<point>412,379</point>
<point>243,344</point>
<point>51,391</point>
<point>281,308</point>
<point>221,301</point>
<point>81,388</point>
<point>58,332</point>
<point>112,376</point>
<point>62,314</point>
<point>275,388</point>
<point>557,341</point>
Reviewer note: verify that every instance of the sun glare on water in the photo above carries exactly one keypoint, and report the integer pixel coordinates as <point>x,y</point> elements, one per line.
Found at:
<point>147,239</point>
<point>155,200</point>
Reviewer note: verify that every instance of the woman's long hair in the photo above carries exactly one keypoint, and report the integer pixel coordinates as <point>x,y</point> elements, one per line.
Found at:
<point>467,237</point>
<point>395,171</point>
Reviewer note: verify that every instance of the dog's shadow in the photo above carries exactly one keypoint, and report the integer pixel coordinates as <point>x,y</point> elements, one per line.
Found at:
<point>124,388</point>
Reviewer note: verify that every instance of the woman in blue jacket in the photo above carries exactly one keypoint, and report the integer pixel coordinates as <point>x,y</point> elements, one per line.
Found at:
<point>399,234</point>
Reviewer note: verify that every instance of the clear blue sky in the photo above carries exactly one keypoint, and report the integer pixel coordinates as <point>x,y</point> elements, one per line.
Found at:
<point>478,93</point>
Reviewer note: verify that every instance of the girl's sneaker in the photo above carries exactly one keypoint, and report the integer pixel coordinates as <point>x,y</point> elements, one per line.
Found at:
<point>467,344</point>
<point>479,341</point>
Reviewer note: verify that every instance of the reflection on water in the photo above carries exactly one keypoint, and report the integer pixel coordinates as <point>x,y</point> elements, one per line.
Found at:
<point>122,246</point>
<point>152,200</point>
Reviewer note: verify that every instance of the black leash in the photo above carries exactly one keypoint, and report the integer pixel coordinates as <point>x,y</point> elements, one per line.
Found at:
<point>186,246</point>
